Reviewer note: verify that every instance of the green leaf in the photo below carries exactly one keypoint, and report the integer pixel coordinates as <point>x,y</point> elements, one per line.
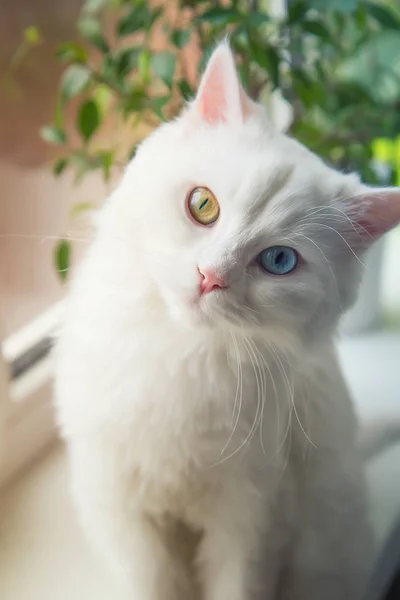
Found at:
<point>317,28</point>
<point>256,18</point>
<point>268,58</point>
<point>296,11</point>
<point>120,63</point>
<point>72,52</point>
<point>361,17</point>
<point>74,81</point>
<point>88,119</point>
<point>62,258</point>
<point>258,54</point>
<point>180,37</point>
<point>344,6</point>
<point>134,102</point>
<point>274,62</point>
<point>33,36</point>
<point>53,135</point>
<point>109,69</point>
<point>144,65</point>
<point>156,14</point>
<point>309,91</point>
<point>106,158</point>
<point>205,57</point>
<point>59,166</point>
<point>137,19</point>
<point>185,89</point>
<point>103,96</point>
<point>243,70</point>
<point>307,133</point>
<point>375,66</point>
<point>80,208</point>
<point>220,16</point>
<point>163,65</point>
<point>383,14</point>
<point>89,27</point>
<point>157,105</point>
<point>127,60</point>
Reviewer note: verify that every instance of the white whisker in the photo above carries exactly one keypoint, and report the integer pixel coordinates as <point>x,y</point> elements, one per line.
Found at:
<point>344,240</point>
<point>261,373</point>
<point>255,422</point>
<point>293,402</point>
<point>288,426</point>
<point>239,385</point>
<point>42,238</point>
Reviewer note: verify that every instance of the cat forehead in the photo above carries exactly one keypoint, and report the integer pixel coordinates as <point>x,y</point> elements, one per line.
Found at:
<point>251,153</point>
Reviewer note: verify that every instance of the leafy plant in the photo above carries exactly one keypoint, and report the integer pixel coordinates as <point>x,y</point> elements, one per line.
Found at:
<point>336,61</point>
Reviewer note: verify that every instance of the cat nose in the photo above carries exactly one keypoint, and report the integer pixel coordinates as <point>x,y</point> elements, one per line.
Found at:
<point>210,282</point>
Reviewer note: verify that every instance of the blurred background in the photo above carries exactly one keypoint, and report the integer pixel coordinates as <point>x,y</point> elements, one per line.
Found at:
<point>81,83</point>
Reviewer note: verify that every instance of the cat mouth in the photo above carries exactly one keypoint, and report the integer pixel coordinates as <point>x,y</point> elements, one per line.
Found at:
<point>217,296</point>
<point>214,304</point>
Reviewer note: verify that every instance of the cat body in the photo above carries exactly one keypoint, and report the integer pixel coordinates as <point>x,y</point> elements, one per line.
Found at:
<point>167,464</point>
<point>217,411</point>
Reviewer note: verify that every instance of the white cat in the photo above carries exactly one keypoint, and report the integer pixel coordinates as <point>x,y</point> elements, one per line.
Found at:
<point>197,385</point>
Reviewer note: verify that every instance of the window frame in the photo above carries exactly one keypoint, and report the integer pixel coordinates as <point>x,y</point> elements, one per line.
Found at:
<point>26,367</point>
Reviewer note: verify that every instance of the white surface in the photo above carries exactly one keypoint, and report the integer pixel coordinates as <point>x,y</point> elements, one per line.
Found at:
<point>371,363</point>
<point>390,284</point>
<point>43,554</point>
<point>372,367</point>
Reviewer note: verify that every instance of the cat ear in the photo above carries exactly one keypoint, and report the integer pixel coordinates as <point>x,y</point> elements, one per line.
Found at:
<point>372,212</point>
<point>221,97</point>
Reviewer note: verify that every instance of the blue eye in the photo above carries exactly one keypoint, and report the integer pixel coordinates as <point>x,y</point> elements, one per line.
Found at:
<point>278,260</point>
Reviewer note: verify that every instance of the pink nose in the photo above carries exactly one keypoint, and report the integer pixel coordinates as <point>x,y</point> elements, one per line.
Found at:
<point>210,282</point>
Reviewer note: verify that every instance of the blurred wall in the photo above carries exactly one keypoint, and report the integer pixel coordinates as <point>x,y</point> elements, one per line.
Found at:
<point>33,205</point>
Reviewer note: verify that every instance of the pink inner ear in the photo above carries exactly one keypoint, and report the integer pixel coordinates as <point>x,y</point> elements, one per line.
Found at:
<point>212,103</point>
<point>221,97</point>
<point>377,211</point>
<point>371,229</point>
<point>372,226</point>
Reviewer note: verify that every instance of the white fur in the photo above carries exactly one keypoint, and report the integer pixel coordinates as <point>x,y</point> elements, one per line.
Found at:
<point>224,416</point>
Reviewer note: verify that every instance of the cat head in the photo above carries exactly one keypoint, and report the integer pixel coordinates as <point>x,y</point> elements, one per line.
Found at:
<point>235,225</point>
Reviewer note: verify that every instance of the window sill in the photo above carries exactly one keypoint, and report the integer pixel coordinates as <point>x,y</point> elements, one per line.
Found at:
<point>29,425</point>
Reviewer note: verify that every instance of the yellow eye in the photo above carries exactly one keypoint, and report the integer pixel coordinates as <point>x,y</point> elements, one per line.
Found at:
<point>203,206</point>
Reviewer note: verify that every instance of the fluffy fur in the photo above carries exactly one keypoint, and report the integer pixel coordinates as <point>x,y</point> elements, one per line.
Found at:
<point>211,438</point>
